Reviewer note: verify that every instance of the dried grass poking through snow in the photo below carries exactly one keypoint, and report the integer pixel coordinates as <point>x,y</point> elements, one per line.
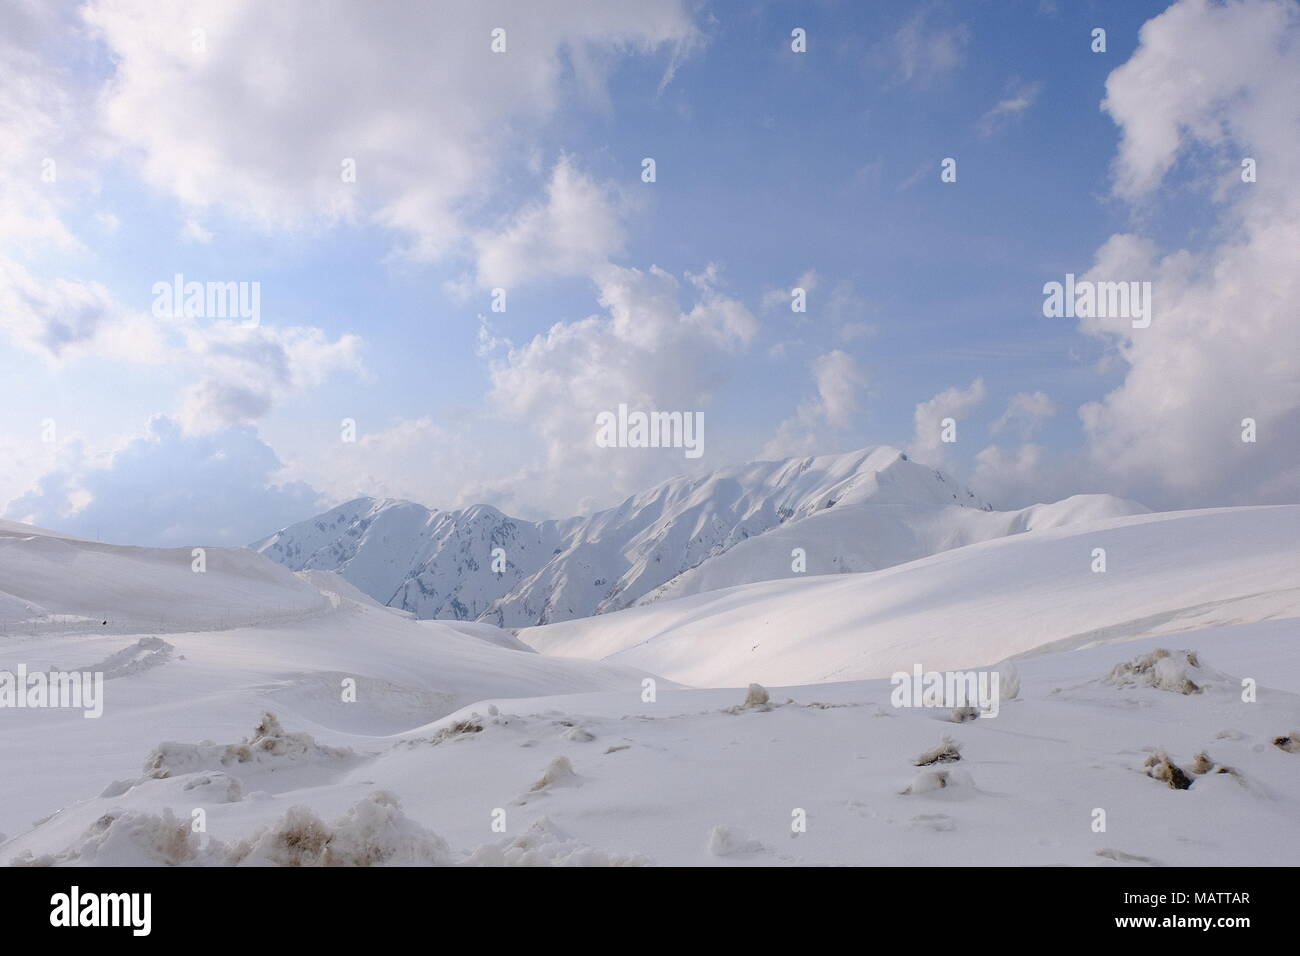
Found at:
<point>756,699</point>
<point>560,771</point>
<point>1160,767</point>
<point>1178,672</point>
<point>373,832</point>
<point>129,838</point>
<point>1288,742</point>
<point>269,742</point>
<point>948,751</point>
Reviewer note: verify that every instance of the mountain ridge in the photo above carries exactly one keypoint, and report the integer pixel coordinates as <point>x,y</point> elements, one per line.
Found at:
<point>862,510</point>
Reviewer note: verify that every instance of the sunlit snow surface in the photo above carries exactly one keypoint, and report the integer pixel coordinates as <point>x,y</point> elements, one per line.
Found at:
<point>459,727</point>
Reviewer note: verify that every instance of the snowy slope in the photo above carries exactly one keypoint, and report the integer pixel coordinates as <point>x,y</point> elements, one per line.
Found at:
<point>450,732</point>
<point>49,580</point>
<point>878,535</point>
<point>186,652</point>
<point>971,606</point>
<point>854,512</point>
<point>693,779</point>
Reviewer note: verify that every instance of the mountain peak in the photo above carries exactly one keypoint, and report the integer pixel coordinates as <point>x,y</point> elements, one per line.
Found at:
<point>854,511</point>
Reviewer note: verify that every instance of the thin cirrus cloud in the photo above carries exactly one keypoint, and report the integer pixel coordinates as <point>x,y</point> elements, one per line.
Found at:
<point>1021,96</point>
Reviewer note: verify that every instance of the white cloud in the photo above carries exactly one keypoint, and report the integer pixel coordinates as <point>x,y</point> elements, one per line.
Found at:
<point>1020,97</point>
<point>955,403</point>
<point>573,232</point>
<point>262,119</point>
<point>1216,83</point>
<point>393,461</point>
<point>167,488</point>
<point>1026,413</point>
<point>193,231</point>
<point>61,319</point>
<point>1218,75</point>
<point>926,47</point>
<point>777,299</point>
<point>240,370</point>
<point>246,369</point>
<point>839,380</point>
<point>44,131</point>
<point>647,351</point>
<point>1011,479</point>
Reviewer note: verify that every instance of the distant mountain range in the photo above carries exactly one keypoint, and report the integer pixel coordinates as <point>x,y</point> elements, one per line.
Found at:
<point>859,511</point>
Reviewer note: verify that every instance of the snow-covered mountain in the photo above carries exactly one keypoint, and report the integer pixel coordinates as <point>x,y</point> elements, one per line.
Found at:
<point>964,607</point>
<point>859,511</point>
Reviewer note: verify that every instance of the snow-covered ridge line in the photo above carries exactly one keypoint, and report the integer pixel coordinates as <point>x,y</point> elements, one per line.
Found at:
<point>858,511</point>
<point>1163,573</point>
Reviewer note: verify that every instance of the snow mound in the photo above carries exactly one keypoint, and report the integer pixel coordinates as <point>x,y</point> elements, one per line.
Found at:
<point>732,841</point>
<point>948,780</point>
<point>269,743</point>
<point>1179,672</point>
<point>373,832</point>
<point>146,653</point>
<point>215,787</point>
<point>1160,767</point>
<point>129,838</point>
<point>558,774</point>
<point>544,844</point>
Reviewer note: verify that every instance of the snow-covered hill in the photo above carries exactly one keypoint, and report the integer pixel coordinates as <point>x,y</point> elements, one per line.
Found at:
<point>183,650</point>
<point>855,512</point>
<point>52,581</point>
<point>1164,573</point>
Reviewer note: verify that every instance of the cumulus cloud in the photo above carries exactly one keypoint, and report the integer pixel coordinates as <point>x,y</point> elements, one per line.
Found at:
<point>62,319</point>
<point>647,351</point>
<point>240,370</point>
<point>955,403</point>
<point>839,380</point>
<point>1011,478</point>
<point>1214,75</point>
<point>1025,414</point>
<point>392,460</point>
<point>43,129</point>
<point>1208,83</point>
<point>573,231</point>
<point>169,488</point>
<point>259,112</point>
<point>245,369</point>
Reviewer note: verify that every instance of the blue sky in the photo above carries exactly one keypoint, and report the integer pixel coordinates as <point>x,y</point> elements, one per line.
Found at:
<point>522,170</point>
